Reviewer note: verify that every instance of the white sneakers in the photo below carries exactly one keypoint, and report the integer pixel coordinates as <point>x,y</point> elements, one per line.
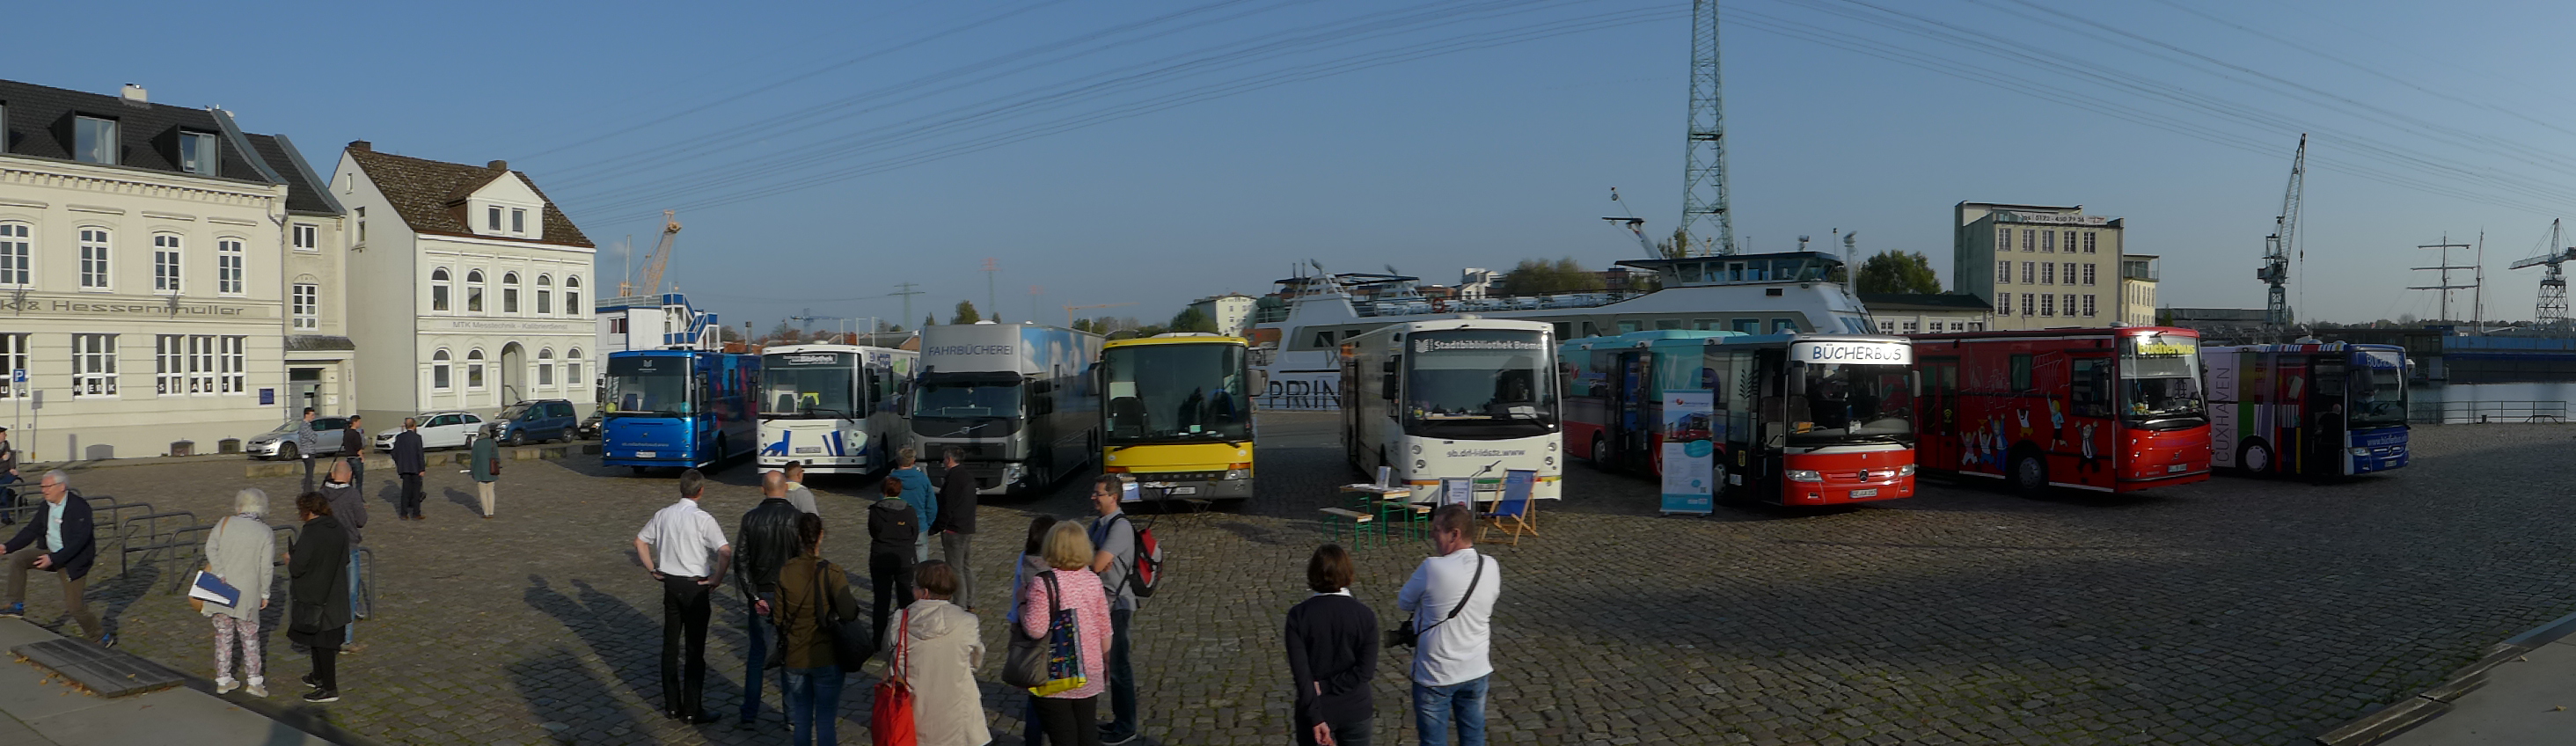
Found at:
<point>256,687</point>
<point>225,685</point>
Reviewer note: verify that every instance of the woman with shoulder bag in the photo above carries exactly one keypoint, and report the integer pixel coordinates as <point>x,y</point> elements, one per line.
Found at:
<point>237,553</point>
<point>317,571</point>
<point>814,602</point>
<point>1032,562</point>
<point>1071,715</point>
<point>935,649</point>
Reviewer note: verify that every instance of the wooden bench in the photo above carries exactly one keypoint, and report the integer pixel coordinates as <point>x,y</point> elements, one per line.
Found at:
<point>1355,520</point>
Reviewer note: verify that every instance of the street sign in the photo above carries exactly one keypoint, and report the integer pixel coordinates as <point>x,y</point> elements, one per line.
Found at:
<point>18,375</point>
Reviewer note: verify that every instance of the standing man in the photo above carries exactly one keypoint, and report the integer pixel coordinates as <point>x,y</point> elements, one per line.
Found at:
<point>956,524</point>
<point>353,448</point>
<point>1451,598</point>
<point>916,491</point>
<point>8,476</point>
<point>306,440</point>
<point>59,540</point>
<point>1114,539</point>
<point>796,492</point>
<point>349,507</point>
<point>768,538</point>
<point>410,461</point>
<point>486,466</point>
<point>685,551</point>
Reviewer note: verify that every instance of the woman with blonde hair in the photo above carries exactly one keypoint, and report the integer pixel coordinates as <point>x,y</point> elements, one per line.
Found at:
<point>1071,716</point>
<point>238,552</point>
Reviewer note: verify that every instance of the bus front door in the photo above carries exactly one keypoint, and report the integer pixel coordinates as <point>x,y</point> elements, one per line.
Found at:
<point>1632,427</point>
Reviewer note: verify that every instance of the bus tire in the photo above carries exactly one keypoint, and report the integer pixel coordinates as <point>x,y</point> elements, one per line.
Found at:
<point>2029,473</point>
<point>1600,454</point>
<point>2258,459</point>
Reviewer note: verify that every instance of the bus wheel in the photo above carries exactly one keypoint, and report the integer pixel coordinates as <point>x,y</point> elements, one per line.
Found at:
<point>2029,474</point>
<point>1600,454</point>
<point>2257,459</point>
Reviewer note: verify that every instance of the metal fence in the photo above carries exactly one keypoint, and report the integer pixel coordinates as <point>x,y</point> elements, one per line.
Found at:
<point>2474,412</point>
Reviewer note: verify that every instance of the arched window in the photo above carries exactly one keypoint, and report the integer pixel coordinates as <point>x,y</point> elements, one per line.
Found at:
<point>438,279</point>
<point>546,367</point>
<point>474,370</point>
<point>509,292</point>
<point>545,295</point>
<point>474,291</point>
<point>15,253</point>
<point>439,375</point>
<point>572,369</point>
<point>572,296</point>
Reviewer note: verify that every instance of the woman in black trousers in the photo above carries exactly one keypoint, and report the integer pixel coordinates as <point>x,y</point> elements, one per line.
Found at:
<point>894,533</point>
<point>1332,654</point>
<point>317,571</point>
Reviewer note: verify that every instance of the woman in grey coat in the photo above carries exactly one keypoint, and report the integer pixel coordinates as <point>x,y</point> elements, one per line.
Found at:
<point>239,552</point>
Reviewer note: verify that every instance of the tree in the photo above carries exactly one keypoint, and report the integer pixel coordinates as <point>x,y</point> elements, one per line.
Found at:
<point>929,321</point>
<point>784,333</point>
<point>1192,319</point>
<point>1082,325</point>
<point>965,313</point>
<point>1676,247</point>
<point>1541,277</point>
<point>1899,272</point>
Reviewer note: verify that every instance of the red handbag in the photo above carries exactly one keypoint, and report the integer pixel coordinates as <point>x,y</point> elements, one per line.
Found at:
<point>890,720</point>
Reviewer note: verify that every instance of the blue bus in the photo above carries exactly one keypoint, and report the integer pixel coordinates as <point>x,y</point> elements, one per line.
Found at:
<point>679,409</point>
<point>2317,410</point>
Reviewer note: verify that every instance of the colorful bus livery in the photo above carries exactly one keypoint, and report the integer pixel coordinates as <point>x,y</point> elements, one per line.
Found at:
<point>2319,410</point>
<point>2110,410</point>
<point>679,409</point>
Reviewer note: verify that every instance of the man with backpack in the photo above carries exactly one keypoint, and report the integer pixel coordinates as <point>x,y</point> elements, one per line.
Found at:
<point>1119,545</point>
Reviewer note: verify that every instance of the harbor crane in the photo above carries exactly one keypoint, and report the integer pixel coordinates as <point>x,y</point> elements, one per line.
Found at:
<point>2277,247</point>
<point>659,260</point>
<point>2551,311</point>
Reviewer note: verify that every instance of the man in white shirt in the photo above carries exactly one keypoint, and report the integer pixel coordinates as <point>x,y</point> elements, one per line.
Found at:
<point>1451,598</point>
<point>796,492</point>
<point>685,550</point>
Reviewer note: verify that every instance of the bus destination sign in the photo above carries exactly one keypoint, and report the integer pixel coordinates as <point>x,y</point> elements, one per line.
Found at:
<point>1861,353</point>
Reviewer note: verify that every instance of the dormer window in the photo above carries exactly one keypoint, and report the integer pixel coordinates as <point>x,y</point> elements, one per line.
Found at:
<point>94,140</point>
<point>518,222</point>
<point>197,153</point>
<point>493,223</point>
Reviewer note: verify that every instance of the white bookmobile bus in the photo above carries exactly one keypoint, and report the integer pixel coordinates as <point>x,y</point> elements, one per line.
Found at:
<point>1460,398</point>
<point>1016,399</point>
<point>834,407</point>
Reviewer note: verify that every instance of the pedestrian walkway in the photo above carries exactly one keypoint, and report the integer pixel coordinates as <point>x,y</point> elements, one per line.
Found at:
<point>37,707</point>
<point>2527,701</point>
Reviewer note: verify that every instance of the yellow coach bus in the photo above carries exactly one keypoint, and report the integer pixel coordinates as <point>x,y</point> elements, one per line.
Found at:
<point>1177,416</point>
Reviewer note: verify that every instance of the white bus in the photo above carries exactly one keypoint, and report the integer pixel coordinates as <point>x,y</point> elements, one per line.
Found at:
<point>1458,398</point>
<point>835,407</point>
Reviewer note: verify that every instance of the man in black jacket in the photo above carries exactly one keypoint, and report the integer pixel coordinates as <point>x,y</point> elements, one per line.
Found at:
<point>349,508</point>
<point>59,540</point>
<point>411,461</point>
<point>891,536</point>
<point>767,540</point>
<point>353,449</point>
<point>956,522</point>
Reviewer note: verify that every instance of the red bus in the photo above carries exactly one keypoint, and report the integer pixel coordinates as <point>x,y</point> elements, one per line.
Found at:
<point>1792,419</point>
<point>2109,410</point>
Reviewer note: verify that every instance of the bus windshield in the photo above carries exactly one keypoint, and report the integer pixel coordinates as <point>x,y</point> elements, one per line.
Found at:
<point>963,407</point>
<point>1176,392</point>
<point>2378,390</point>
<point>809,384</point>
<point>2160,382</point>
<point>1479,384</point>
<point>1848,402</point>
<point>648,387</point>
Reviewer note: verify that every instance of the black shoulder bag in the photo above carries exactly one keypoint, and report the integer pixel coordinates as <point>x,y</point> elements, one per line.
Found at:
<point>852,641</point>
<point>1405,636</point>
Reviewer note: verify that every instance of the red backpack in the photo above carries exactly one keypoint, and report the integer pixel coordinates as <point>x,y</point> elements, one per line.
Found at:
<point>1147,570</point>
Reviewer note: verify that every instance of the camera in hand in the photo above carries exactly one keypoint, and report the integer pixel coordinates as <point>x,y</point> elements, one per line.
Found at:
<point>1403,636</point>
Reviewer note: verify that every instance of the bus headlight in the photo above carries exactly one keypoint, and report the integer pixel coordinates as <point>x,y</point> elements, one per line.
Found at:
<point>1417,449</point>
<point>1805,475</point>
<point>1233,474</point>
<point>1013,473</point>
<point>1551,445</point>
<point>1419,464</point>
<point>2361,451</point>
<point>1551,462</point>
<point>1905,471</point>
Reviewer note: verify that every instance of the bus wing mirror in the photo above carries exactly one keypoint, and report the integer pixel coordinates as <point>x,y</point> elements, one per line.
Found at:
<point>1386,387</point>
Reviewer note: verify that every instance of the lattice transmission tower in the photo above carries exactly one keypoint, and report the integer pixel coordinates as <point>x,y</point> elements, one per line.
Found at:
<point>1705,223</point>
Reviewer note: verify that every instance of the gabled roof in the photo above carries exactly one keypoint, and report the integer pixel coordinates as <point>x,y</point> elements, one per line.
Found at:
<point>36,122</point>
<point>429,195</point>
<point>306,191</point>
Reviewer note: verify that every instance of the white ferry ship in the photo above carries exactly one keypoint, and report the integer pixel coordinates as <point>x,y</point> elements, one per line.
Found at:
<point>1298,342</point>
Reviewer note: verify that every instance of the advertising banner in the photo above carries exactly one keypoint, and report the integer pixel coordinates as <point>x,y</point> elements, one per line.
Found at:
<point>1689,468</point>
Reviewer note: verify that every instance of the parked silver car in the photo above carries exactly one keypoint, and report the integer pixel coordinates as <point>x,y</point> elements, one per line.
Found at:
<point>449,429</point>
<point>280,442</point>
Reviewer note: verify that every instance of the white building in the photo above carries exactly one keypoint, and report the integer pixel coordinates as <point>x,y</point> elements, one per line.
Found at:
<point>143,251</point>
<point>645,322</point>
<point>1919,313</point>
<point>477,287</point>
<point>2046,267</point>
<point>1232,312</point>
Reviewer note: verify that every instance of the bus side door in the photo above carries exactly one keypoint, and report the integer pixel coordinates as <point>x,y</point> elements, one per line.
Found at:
<point>1937,441</point>
<point>1632,430</point>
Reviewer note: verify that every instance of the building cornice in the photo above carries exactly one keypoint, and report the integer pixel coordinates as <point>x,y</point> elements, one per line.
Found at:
<point>27,172</point>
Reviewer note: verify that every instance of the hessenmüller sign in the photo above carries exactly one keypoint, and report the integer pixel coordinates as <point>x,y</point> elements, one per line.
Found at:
<point>1888,353</point>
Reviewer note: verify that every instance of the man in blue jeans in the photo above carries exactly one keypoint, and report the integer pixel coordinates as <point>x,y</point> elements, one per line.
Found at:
<point>1451,598</point>
<point>1115,560</point>
<point>766,541</point>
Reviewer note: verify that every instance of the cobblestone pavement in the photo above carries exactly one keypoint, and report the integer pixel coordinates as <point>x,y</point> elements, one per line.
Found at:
<point>2228,612</point>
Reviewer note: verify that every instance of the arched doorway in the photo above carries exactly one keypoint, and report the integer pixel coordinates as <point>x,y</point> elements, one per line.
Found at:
<point>514,374</point>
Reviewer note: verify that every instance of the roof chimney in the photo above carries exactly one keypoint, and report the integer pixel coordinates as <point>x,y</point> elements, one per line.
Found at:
<point>362,146</point>
<point>500,165</point>
<point>134,93</point>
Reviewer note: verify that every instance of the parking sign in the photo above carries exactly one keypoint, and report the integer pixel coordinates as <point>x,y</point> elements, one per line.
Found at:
<point>18,375</point>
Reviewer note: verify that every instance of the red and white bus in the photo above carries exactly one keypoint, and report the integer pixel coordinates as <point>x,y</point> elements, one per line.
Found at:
<point>2110,410</point>
<point>1795,419</point>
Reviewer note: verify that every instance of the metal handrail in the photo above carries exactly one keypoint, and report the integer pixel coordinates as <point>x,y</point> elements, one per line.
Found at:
<point>2473,412</point>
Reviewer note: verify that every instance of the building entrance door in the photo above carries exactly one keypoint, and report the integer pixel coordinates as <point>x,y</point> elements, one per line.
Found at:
<point>514,374</point>
<point>304,389</point>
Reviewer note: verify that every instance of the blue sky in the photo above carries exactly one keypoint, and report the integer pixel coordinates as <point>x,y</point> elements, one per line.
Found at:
<point>2425,121</point>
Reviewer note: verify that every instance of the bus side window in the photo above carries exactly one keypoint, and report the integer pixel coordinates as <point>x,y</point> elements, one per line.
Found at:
<point>2021,373</point>
<point>2090,391</point>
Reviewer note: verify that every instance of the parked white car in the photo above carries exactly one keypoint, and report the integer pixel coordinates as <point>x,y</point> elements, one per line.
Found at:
<point>452,429</point>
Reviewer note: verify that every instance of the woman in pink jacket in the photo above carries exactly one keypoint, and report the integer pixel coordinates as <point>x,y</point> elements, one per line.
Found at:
<point>1071,717</point>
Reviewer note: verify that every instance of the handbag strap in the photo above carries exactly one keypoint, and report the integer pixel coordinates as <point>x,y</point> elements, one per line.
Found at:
<point>901,667</point>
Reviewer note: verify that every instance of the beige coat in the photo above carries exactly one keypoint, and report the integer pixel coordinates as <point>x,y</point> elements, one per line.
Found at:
<point>946,645</point>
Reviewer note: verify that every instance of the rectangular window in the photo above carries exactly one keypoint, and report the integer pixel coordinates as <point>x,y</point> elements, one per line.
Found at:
<point>1784,326</point>
<point>518,221</point>
<point>494,221</point>
<point>228,266</point>
<point>1887,327</point>
<point>15,253</point>
<point>2070,273</point>
<point>308,237</point>
<point>94,140</point>
<point>2047,304</point>
<point>2003,272</point>
<point>2048,273</point>
<point>2029,273</point>
<point>201,364</point>
<point>361,212</point>
<point>1913,326</point>
<point>2003,239</point>
<point>165,263</point>
<point>236,362</point>
<point>197,153</point>
<point>2088,241</point>
<point>545,373</point>
<point>93,259</point>
<point>474,297</point>
<point>2028,306</point>
<point>2088,274</point>
<point>2048,241</point>
<point>439,376</point>
<point>13,356</point>
<point>2003,304</point>
<point>2021,372</point>
<point>2088,304</point>
<point>2070,305</point>
<point>2070,242</point>
<point>2089,388</point>
<point>509,300</point>
<point>2027,238</point>
<point>93,365</point>
<point>474,374</point>
<point>572,370</point>
<point>308,303</point>
<point>545,301</point>
<point>168,358</point>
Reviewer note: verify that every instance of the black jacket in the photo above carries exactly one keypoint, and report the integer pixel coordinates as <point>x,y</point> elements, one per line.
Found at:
<point>80,545</point>
<point>353,441</point>
<point>409,456</point>
<point>893,527</point>
<point>317,580</point>
<point>1332,640</point>
<point>956,503</point>
<point>765,543</point>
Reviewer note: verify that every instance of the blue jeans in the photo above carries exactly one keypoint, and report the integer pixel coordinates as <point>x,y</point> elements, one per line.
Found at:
<point>813,704</point>
<point>1434,707</point>
<point>1122,678</point>
<point>1032,732</point>
<point>758,657</point>
<point>349,632</point>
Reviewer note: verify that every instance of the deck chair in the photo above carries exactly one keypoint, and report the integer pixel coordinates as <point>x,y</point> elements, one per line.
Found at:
<point>1515,513</point>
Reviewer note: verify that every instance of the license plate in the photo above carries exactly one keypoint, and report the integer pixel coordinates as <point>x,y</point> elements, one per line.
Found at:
<point>646,454</point>
<point>809,449</point>
<point>1185,490</point>
<point>2173,468</point>
<point>1155,485</point>
<point>1873,492</point>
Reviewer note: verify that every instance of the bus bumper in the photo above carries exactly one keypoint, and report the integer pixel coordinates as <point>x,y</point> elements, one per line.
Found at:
<point>2379,450</point>
<point>1224,484</point>
<point>859,464</point>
